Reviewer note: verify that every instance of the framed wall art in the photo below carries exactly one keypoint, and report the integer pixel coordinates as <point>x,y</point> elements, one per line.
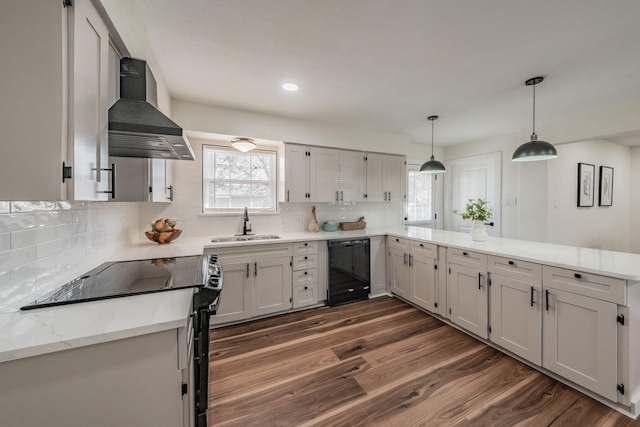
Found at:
<point>586,179</point>
<point>606,186</point>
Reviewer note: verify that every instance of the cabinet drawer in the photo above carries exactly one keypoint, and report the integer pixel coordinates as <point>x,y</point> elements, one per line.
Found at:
<point>425,249</point>
<point>587,284</point>
<point>398,243</point>
<point>305,262</point>
<point>304,277</point>
<point>245,252</point>
<point>305,295</point>
<point>515,269</point>
<point>467,258</point>
<point>305,248</point>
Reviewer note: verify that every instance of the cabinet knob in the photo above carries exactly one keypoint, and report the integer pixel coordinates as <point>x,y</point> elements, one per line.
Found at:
<point>578,276</point>
<point>306,244</point>
<point>306,257</point>
<point>306,272</point>
<point>464,253</point>
<point>305,288</point>
<point>510,262</point>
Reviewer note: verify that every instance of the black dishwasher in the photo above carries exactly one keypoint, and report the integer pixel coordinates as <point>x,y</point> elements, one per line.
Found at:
<point>349,270</point>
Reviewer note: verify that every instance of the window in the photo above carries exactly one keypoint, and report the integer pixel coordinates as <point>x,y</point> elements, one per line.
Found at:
<point>233,180</point>
<point>419,195</point>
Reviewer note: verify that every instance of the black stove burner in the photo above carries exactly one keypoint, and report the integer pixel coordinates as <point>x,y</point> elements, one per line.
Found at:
<point>125,278</point>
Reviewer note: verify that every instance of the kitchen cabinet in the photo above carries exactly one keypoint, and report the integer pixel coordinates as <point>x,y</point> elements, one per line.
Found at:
<point>56,104</point>
<point>468,297</point>
<point>142,180</point>
<point>136,381</point>
<point>305,274</point>
<point>378,264</point>
<point>579,331</point>
<point>386,180</point>
<point>516,307</point>
<point>257,281</point>
<point>319,174</point>
<point>413,274</point>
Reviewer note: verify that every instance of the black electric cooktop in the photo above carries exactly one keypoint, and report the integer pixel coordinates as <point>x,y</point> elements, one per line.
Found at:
<point>125,278</point>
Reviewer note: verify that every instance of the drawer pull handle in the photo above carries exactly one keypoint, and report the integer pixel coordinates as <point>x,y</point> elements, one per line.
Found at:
<point>479,280</point>
<point>465,253</point>
<point>306,244</point>
<point>421,245</point>
<point>510,262</point>
<point>578,276</point>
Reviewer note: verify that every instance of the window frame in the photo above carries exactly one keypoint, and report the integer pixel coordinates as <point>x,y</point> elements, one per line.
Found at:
<point>237,210</point>
<point>421,223</point>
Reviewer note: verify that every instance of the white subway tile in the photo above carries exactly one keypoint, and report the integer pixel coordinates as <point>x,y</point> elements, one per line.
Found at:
<point>65,217</point>
<point>21,239</point>
<point>15,222</point>
<point>17,257</point>
<point>5,242</point>
<point>69,256</point>
<point>17,295</point>
<point>33,206</point>
<point>5,207</point>
<point>5,280</point>
<point>52,247</point>
<point>45,219</point>
<point>32,270</point>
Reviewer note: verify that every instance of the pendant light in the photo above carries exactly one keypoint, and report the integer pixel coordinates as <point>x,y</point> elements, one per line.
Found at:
<point>432,166</point>
<point>534,150</point>
<point>243,144</point>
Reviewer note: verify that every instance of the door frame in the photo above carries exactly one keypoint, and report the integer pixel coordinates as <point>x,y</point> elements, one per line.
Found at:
<point>496,157</point>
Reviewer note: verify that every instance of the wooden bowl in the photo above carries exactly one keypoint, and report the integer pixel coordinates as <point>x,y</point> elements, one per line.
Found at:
<point>163,236</point>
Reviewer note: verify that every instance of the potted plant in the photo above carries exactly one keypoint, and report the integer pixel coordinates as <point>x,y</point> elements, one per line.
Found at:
<point>478,211</point>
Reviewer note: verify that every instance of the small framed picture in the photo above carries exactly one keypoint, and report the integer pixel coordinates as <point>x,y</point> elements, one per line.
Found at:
<point>606,186</point>
<point>586,179</point>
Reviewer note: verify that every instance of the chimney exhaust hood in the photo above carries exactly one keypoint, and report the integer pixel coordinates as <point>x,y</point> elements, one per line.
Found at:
<point>136,127</point>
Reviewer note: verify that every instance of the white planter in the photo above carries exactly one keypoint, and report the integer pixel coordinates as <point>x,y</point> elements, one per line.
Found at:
<point>479,231</point>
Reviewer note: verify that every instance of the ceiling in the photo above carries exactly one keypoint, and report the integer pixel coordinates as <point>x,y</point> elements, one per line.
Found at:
<point>388,64</point>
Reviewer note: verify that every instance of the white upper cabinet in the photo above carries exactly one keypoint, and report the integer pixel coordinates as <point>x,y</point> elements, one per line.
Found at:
<point>296,173</point>
<point>324,169</point>
<point>55,105</point>
<point>353,176</point>
<point>385,178</point>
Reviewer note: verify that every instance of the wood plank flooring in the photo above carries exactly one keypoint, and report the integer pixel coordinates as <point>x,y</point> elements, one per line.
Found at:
<point>382,363</point>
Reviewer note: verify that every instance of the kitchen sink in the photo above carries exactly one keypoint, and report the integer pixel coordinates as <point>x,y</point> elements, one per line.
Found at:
<point>248,237</point>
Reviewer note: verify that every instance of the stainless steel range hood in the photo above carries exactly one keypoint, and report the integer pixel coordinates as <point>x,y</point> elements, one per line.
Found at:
<point>136,127</point>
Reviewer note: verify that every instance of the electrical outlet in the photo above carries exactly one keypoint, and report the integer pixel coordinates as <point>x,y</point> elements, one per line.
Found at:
<point>510,201</point>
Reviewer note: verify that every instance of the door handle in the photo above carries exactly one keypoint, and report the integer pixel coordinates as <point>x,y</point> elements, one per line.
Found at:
<point>479,280</point>
<point>170,188</point>
<point>405,259</point>
<point>112,169</point>
<point>410,260</point>
<point>337,196</point>
<point>490,224</point>
<point>287,195</point>
<point>546,292</point>
<point>532,290</point>
<point>247,271</point>
<point>255,269</point>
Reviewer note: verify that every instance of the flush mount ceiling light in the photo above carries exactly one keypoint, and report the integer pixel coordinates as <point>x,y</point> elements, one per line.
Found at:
<point>432,166</point>
<point>243,144</point>
<point>534,150</point>
<point>291,87</point>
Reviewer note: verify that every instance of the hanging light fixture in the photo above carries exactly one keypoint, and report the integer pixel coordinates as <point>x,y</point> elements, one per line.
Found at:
<point>432,166</point>
<point>534,150</point>
<point>243,144</point>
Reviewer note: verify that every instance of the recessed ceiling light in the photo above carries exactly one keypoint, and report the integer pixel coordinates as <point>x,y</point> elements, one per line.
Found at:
<point>291,87</point>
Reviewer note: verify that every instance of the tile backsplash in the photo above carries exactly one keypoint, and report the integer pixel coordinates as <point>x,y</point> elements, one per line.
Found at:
<point>45,243</point>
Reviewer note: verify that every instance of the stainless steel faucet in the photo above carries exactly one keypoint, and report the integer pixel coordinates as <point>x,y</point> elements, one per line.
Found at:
<point>246,230</point>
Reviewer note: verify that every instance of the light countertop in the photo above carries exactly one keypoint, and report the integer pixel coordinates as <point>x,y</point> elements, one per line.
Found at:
<point>40,331</point>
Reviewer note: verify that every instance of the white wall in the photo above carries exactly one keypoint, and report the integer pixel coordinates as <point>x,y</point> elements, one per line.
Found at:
<point>593,227</point>
<point>226,121</point>
<point>634,220</point>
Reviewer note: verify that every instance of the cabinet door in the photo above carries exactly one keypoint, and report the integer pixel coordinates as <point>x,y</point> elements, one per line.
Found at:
<point>296,173</point>
<point>516,317</point>
<point>375,182</point>
<point>352,176</point>
<point>378,265</point>
<point>235,302</point>
<point>393,177</point>
<point>468,299</point>
<point>160,181</point>
<point>399,274</point>
<point>423,281</point>
<point>580,340</point>
<point>272,286</point>
<point>88,117</point>
<point>324,169</point>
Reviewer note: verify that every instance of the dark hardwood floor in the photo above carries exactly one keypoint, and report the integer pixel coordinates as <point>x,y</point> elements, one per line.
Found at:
<point>380,362</point>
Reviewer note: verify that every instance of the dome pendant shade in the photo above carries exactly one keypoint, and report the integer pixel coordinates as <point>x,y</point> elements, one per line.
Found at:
<point>432,166</point>
<point>534,150</point>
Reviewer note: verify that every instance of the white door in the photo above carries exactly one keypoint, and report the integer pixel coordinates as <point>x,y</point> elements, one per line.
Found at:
<point>296,174</point>
<point>472,178</point>
<point>375,182</point>
<point>324,168</point>
<point>235,304</point>
<point>399,272</point>
<point>468,299</point>
<point>423,280</point>
<point>352,176</point>
<point>272,287</point>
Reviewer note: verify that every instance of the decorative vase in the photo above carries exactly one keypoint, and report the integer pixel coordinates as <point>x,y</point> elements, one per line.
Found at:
<point>479,231</point>
<point>313,223</point>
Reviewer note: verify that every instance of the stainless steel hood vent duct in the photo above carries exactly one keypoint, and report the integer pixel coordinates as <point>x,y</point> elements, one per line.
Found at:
<point>136,127</point>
